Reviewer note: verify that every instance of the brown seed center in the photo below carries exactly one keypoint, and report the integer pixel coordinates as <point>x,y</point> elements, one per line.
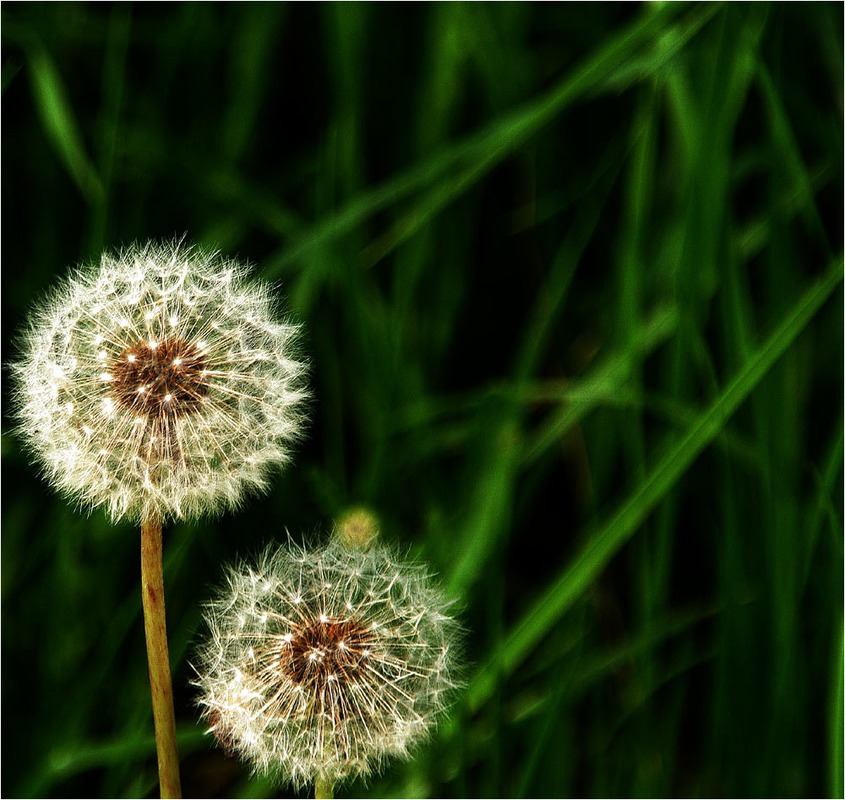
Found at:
<point>328,650</point>
<point>160,378</point>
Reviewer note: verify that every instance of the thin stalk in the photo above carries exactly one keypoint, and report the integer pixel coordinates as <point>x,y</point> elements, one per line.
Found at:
<point>158,658</point>
<point>323,789</point>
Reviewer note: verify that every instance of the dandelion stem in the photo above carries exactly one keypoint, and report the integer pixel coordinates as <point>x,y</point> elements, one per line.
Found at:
<point>323,788</point>
<point>158,659</point>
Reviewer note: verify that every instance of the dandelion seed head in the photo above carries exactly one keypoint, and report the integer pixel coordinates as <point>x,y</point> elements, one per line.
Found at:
<point>317,689</point>
<point>179,408</point>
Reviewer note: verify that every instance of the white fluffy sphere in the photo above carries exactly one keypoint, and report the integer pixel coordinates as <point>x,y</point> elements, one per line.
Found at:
<point>159,383</point>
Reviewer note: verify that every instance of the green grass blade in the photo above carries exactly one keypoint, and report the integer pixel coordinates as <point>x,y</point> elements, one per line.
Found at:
<point>610,537</point>
<point>462,164</point>
<point>603,382</point>
<point>836,713</point>
<point>60,123</point>
<point>71,760</point>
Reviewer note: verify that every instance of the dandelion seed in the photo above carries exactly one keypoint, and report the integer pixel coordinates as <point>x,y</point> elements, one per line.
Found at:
<point>142,336</point>
<point>318,692</point>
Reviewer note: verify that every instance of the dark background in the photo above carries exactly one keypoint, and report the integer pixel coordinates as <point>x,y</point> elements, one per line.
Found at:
<point>531,245</point>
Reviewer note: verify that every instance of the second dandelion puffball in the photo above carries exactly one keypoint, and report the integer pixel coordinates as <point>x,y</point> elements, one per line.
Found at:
<point>160,383</point>
<point>320,663</point>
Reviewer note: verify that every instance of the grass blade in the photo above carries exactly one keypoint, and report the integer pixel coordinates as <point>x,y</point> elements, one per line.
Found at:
<point>610,537</point>
<point>60,123</point>
<point>460,165</point>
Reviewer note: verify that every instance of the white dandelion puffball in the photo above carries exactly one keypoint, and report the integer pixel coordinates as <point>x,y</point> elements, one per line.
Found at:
<point>319,664</point>
<point>159,383</point>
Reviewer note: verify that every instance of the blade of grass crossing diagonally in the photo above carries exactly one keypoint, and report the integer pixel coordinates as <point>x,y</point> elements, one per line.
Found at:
<point>790,157</point>
<point>610,537</point>
<point>487,517</point>
<point>644,42</point>
<point>604,381</point>
<point>604,69</point>
<point>70,760</point>
<point>826,510</point>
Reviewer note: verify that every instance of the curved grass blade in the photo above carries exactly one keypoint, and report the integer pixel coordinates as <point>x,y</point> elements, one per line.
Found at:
<point>60,124</point>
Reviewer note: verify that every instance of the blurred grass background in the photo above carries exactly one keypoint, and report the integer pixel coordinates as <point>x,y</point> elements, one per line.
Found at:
<point>570,277</point>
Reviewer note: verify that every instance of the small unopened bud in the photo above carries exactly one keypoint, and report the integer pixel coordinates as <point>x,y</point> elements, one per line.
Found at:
<point>357,527</point>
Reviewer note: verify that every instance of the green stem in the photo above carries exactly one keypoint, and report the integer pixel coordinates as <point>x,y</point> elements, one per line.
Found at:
<point>158,658</point>
<point>323,789</point>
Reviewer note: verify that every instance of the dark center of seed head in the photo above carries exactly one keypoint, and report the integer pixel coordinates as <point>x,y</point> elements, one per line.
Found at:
<point>323,651</point>
<point>160,378</point>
